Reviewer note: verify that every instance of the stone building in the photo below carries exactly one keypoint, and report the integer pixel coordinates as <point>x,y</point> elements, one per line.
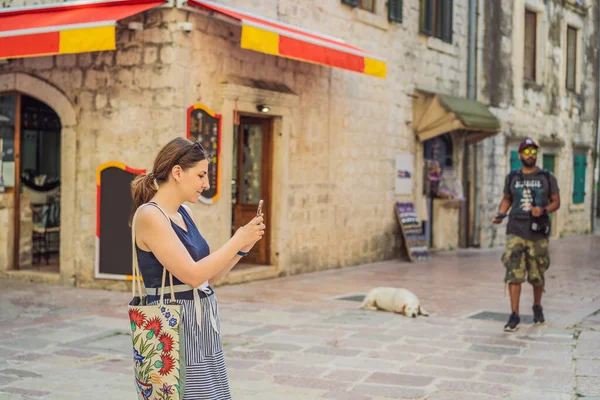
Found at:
<point>540,77</point>
<point>310,106</point>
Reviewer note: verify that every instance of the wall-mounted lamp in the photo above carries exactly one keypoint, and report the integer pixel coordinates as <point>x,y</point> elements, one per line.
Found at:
<point>263,108</point>
<point>136,26</point>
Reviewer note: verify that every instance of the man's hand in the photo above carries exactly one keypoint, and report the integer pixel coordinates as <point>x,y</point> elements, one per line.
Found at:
<point>537,211</point>
<point>498,218</point>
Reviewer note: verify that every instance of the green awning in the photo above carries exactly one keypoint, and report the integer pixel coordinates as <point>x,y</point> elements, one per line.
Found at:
<point>436,114</point>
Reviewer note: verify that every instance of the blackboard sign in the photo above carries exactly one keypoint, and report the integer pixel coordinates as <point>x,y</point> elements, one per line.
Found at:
<point>205,126</point>
<point>412,232</point>
<point>113,209</point>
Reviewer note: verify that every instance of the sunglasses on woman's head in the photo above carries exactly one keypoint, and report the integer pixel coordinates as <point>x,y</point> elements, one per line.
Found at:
<point>530,151</point>
<point>196,143</point>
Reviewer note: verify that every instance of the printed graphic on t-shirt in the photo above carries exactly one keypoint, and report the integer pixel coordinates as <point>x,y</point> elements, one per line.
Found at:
<point>527,194</point>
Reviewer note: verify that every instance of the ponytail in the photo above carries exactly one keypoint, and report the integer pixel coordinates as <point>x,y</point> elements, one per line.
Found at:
<point>143,189</point>
<point>179,151</point>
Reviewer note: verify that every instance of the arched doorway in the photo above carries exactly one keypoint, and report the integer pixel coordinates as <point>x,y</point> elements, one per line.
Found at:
<point>30,168</point>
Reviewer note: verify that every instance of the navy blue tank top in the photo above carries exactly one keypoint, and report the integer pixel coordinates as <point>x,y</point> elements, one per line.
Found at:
<point>151,269</point>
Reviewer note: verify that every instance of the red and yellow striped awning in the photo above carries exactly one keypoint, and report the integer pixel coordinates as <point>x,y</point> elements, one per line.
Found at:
<point>276,38</point>
<point>73,27</point>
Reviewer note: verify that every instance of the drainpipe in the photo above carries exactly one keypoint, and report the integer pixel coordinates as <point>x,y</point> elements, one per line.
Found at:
<point>595,189</point>
<point>472,54</point>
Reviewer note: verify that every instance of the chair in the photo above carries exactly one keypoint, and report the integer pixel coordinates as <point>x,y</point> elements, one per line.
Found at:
<point>46,229</point>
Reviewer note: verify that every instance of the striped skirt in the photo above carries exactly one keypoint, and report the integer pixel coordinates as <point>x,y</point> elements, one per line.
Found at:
<point>205,372</point>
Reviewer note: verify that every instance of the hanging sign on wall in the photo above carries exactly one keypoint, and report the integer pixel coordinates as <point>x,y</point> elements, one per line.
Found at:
<point>404,174</point>
<point>205,126</point>
<point>113,209</point>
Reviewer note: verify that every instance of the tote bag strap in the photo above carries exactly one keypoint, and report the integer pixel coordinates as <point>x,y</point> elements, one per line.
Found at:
<point>137,279</point>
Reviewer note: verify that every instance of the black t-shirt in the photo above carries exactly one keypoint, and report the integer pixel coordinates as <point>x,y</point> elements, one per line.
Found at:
<point>533,189</point>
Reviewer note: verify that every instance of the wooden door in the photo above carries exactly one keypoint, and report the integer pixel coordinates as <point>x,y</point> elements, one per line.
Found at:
<point>252,162</point>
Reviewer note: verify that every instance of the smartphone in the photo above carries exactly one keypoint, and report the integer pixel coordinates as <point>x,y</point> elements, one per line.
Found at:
<point>260,206</point>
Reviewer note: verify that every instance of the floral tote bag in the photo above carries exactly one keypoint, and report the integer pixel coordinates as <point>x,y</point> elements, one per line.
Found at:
<point>157,339</point>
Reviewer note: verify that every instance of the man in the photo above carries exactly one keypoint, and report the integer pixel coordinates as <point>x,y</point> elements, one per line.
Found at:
<point>531,194</point>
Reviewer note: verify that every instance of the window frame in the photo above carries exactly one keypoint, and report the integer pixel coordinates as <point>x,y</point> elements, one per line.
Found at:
<point>534,57</point>
<point>351,3</point>
<point>437,19</point>
<point>361,5</point>
<point>571,67</point>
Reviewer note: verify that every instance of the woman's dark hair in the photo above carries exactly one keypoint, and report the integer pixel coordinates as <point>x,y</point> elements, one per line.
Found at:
<point>179,151</point>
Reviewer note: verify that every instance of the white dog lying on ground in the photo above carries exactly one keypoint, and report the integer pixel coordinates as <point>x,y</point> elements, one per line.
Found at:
<point>401,301</point>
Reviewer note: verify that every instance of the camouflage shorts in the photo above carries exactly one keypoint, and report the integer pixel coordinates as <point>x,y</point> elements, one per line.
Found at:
<point>526,258</point>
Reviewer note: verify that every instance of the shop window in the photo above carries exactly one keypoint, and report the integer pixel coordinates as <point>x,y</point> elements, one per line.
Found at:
<point>40,143</point>
<point>436,19</point>
<point>439,149</point>
<point>440,174</point>
<point>530,47</point>
<point>8,107</point>
<point>571,57</point>
<point>579,172</point>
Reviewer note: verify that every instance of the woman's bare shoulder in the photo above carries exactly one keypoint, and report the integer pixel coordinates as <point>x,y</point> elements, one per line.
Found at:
<point>150,215</point>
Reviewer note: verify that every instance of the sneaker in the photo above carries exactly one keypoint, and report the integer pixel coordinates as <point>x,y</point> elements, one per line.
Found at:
<point>538,315</point>
<point>513,323</point>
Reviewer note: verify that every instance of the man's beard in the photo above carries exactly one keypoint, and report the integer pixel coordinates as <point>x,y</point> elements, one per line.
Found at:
<point>528,162</point>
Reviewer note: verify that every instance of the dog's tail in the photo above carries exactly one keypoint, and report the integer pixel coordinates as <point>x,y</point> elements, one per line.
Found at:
<point>365,301</point>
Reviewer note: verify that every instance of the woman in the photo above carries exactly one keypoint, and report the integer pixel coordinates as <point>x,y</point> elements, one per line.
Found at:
<point>166,237</point>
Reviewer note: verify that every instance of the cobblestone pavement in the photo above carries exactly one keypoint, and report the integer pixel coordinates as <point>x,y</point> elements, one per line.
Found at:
<point>294,338</point>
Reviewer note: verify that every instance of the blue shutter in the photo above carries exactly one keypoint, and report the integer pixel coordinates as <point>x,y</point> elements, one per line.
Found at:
<point>549,162</point>
<point>395,10</point>
<point>351,3</point>
<point>515,161</point>
<point>579,170</point>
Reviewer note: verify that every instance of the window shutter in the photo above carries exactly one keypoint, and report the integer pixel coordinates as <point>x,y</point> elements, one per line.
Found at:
<point>549,162</point>
<point>351,3</point>
<point>515,162</point>
<point>579,169</point>
<point>426,18</point>
<point>395,10</point>
<point>447,17</point>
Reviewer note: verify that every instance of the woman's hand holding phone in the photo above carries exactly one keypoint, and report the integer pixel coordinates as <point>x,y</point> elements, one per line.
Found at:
<point>252,232</point>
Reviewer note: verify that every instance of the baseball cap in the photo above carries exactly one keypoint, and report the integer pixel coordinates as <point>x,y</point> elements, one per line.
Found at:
<point>527,143</point>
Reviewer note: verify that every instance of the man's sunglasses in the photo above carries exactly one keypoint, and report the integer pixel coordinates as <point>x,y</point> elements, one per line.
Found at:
<point>529,151</point>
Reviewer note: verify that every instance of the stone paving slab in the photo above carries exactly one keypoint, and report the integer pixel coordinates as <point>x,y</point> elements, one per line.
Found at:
<point>294,338</point>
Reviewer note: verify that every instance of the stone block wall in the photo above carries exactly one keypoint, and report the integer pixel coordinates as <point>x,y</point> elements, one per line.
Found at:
<point>561,121</point>
<point>341,137</point>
